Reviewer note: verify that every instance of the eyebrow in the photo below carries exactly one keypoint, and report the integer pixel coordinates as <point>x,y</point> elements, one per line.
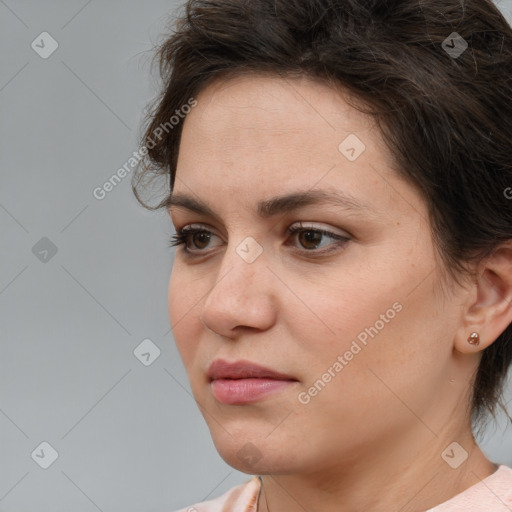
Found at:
<point>278,205</point>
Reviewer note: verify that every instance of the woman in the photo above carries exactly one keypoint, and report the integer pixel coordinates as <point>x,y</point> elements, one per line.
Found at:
<point>339,181</point>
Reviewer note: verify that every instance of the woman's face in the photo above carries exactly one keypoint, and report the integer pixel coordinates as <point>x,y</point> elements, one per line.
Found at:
<point>355,318</point>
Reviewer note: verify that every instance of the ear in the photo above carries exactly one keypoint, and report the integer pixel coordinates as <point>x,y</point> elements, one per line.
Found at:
<point>488,309</point>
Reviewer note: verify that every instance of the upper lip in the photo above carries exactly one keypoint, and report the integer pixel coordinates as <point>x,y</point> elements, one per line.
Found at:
<point>221,369</point>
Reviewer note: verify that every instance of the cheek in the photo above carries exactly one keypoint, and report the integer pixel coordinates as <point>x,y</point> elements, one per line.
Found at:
<point>375,316</point>
<point>337,307</point>
<point>393,342</point>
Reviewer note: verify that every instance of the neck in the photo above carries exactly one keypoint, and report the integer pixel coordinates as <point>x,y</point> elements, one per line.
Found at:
<point>397,479</point>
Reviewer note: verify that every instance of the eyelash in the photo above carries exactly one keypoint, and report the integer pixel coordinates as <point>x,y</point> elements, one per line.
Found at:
<point>182,236</point>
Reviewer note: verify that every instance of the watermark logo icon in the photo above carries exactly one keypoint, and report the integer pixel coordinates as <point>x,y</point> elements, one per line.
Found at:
<point>351,147</point>
<point>44,45</point>
<point>454,455</point>
<point>454,45</point>
<point>249,454</point>
<point>44,250</point>
<point>44,455</point>
<point>249,249</point>
<point>146,352</point>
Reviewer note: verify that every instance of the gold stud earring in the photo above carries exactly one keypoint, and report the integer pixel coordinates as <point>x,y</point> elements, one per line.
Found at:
<point>474,338</point>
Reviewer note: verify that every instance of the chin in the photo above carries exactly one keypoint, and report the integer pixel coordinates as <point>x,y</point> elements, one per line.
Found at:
<point>251,460</point>
<point>251,454</point>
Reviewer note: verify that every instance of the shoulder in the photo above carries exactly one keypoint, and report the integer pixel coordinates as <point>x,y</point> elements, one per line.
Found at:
<point>492,494</point>
<point>242,498</point>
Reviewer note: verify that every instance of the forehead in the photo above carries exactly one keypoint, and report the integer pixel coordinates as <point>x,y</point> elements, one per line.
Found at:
<point>252,137</point>
<point>298,112</point>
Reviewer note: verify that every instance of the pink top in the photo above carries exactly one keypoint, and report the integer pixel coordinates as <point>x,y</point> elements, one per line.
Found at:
<point>492,494</point>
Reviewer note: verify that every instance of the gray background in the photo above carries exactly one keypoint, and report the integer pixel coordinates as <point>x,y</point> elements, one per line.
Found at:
<point>129,437</point>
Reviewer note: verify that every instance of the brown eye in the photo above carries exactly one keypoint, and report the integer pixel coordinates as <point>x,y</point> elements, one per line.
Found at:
<point>201,239</point>
<point>315,240</point>
<point>194,239</point>
<point>309,239</point>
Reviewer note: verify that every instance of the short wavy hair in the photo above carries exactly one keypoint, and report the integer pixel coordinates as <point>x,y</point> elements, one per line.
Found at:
<point>445,117</point>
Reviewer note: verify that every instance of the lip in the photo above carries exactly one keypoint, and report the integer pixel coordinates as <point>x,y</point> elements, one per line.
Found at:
<point>243,382</point>
<point>221,369</point>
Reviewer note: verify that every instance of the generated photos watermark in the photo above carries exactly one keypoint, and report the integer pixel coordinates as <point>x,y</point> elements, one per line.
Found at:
<point>357,345</point>
<point>101,192</point>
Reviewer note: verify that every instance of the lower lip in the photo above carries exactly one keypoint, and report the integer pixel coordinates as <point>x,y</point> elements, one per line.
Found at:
<point>242,391</point>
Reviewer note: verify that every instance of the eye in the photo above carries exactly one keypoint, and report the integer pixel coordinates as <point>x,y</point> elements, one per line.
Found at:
<point>311,238</point>
<point>196,239</point>
<point>194,235</point>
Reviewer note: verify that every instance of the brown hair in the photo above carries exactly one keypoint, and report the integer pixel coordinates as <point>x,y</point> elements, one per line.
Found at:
<point>446,117</point>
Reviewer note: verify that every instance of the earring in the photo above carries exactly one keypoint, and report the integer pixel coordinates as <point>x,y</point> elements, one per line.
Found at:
<point>474,338</point>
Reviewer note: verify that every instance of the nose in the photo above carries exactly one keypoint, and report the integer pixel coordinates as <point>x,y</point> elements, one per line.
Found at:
<point>242,296</point>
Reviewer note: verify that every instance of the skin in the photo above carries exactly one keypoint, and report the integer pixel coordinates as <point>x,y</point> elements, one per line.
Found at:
<point>372,438</point>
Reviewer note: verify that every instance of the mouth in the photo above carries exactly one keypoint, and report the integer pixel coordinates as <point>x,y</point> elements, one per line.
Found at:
<point>244,382</point>
<point>221,369</point>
